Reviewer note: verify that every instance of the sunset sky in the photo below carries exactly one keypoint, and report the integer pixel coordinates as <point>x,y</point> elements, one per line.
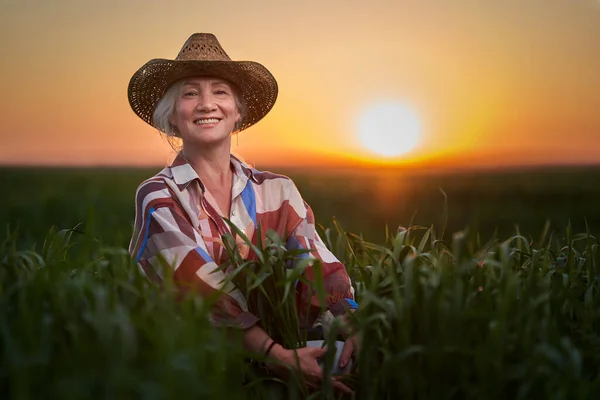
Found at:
<point>490,81</point>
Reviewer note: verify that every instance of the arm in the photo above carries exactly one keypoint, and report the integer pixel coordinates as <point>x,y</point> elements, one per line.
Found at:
<point>163,232</point>
<point>164,238</point>
<point>304,360</point>
<point>337,284</point>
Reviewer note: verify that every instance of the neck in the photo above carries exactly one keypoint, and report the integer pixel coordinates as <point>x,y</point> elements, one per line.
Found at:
<point>213,165</point>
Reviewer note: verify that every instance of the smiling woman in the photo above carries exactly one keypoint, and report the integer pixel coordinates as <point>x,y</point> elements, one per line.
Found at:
<point>389,129</point>
<point>208,201</point>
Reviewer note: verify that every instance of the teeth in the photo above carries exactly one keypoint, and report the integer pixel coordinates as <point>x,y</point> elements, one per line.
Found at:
<point>206,121</point>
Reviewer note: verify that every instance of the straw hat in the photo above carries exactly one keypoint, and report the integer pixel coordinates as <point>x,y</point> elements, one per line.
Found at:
<point>202,55</point>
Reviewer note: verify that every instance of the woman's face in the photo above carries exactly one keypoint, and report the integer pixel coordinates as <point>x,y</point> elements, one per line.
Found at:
<point>205,112</point>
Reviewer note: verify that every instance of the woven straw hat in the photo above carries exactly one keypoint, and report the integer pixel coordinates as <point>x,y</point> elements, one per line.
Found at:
<point>202,55</point>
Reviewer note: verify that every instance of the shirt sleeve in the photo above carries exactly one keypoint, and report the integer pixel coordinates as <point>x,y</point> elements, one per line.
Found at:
<point>164,238</point>
<point>337,284</point>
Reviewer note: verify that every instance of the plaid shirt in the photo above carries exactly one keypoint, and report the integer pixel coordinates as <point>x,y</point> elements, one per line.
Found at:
<point>176,220</point>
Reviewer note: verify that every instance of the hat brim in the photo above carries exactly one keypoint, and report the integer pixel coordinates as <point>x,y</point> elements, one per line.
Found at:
<point>149,84</point>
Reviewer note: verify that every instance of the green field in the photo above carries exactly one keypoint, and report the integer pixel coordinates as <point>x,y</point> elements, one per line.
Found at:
<point>363,201</point>
<point>471,308</point>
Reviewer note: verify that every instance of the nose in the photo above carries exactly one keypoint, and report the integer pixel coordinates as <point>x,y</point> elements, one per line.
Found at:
<point>206,102</point>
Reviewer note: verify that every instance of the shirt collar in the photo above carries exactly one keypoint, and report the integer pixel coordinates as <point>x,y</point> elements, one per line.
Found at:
<point>242,168</point>
<point>183,173</point>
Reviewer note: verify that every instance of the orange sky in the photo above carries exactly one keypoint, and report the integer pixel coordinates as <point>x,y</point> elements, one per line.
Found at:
<point>506,82</point>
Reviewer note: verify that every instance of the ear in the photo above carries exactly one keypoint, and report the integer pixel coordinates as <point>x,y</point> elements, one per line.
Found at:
<point>237,125</point>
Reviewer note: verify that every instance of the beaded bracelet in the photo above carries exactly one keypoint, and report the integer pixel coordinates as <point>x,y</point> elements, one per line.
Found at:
<point>273,343</point>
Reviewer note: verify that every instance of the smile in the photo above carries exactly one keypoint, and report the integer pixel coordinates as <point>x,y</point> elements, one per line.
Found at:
<point>204,121</point>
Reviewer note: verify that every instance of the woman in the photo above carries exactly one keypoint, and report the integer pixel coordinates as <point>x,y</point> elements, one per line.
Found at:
<point>202,97</point>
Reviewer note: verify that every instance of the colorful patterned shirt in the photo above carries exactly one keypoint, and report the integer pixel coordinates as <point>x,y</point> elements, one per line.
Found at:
<point>177,221</point>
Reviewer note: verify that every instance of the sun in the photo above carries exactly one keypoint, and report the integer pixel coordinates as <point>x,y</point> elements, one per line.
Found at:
<point>389,129</point>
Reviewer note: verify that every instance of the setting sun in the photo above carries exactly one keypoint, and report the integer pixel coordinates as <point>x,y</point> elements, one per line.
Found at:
<point>389,129</point>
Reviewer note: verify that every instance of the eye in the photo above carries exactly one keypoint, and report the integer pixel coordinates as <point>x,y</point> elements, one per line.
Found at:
<point>221,92</point>
<point>189,93</point>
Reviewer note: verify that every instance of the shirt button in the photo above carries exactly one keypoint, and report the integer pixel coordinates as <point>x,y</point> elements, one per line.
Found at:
<point>233,211</point>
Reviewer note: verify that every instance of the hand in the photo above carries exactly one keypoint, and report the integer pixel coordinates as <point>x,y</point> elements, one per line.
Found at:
<point>351,345</point>
<point>349,350</point>
<point>305,362</point>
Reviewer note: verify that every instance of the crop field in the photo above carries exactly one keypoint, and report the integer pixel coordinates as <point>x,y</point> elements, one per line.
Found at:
<point>470,285</point>
<point>364,202</point>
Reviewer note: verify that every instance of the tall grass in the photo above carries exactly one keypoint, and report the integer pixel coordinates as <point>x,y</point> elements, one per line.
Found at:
<point>444,319</point>
<point>84,323</point>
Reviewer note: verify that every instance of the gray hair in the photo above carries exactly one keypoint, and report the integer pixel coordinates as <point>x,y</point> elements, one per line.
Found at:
<point>165,107</point>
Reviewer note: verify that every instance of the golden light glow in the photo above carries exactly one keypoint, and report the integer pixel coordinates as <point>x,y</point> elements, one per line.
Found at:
<point>389,129</point>
<point>500,83</point>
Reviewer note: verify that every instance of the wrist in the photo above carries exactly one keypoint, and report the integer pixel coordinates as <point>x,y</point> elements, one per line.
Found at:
<point>281,354</point>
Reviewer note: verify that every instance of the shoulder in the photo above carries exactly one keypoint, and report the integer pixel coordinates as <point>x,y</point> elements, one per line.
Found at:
<point>268,176</point>
<point>265,178</point>
<point>154,191</point>
<point>277,192</point>
<point>275,182</point>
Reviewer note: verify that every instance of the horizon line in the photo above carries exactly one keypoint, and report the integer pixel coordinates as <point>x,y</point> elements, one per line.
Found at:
<point>439,166</point>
